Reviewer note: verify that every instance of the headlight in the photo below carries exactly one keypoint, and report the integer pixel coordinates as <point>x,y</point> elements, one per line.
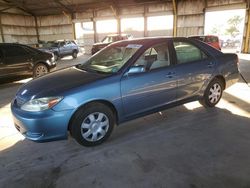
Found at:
<point>36,105</point>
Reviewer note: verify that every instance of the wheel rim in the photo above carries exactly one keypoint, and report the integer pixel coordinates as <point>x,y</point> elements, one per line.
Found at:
<point>215,93</point>
<point>41,70</point>
<point>95,126</point>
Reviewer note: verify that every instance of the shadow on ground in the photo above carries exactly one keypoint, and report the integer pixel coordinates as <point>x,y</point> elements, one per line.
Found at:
<point>178,148</point>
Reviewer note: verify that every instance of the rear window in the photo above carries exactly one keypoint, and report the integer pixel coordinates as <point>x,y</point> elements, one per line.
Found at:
<point>186,52</point>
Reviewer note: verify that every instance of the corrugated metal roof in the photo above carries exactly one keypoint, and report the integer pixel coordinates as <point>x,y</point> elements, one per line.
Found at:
<point>50,7</point>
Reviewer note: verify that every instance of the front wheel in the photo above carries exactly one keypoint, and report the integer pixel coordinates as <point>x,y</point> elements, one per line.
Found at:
<point>213,93</point>
<point>92,124</point>
<point>40,70</point>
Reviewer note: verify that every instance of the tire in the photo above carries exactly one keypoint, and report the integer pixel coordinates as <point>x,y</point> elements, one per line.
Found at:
<point>56,56</point>
<point>74,54</point>
<point>40,70</point>
<point>213,93</point>
<point>92,124</point>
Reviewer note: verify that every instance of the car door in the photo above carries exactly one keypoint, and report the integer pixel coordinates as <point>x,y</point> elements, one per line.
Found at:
<point>155,86</point>
<point>16,59</point>
<point>193,68</point>
<point>62,48</point>
<point>68,47</point>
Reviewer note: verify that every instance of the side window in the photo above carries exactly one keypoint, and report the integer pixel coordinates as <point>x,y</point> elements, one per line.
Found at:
<point>186,52</point>
<point>14,51</point>
<point>155,57</point>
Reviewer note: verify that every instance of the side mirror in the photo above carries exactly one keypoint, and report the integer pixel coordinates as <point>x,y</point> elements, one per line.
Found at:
<point>136,69</point>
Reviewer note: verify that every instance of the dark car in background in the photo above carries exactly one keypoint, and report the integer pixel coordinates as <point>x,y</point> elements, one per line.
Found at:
<point>108,40</point>
<point>18,60</point>
<point>125,80</point>
<point>212,40</point>
<point>61,48</point>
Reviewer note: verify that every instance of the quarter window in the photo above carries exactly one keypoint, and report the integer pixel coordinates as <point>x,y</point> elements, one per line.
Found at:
<point>186,52</point>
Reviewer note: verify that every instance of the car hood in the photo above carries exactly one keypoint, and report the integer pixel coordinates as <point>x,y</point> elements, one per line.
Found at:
<point>57,83</point>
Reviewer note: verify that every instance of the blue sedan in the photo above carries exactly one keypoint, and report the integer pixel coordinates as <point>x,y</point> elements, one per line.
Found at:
<point>125,80</point>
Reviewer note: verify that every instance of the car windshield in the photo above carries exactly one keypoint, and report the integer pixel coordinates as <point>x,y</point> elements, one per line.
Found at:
<point>50,44</point>
<point>111,59</point>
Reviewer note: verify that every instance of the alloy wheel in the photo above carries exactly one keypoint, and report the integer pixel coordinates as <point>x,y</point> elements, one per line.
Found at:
<point>95,126</point>
<point>215,93</point>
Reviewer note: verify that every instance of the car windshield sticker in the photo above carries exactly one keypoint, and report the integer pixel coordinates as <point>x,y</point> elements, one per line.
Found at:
<point>134,45</point>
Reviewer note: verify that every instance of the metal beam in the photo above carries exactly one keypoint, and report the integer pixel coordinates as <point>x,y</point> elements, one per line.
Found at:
<point>19,6</point>
<point>175,18</point>
<point>69,10</point>
<point>7,8</point>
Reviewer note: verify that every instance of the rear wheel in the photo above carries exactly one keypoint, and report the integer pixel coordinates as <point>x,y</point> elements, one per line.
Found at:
<point>213,93</point>
<point>74,54</point>
<point>92,124</point>
<point>40,70</point>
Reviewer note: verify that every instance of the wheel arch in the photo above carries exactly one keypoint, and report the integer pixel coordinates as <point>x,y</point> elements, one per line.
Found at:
<point>105,102</point>
<point>222,79</point>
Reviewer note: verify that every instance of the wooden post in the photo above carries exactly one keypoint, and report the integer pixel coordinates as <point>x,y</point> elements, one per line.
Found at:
<point>73,26</point>
<point>37,32</point>
<point>145,21</point>
<point>94,26</point>
<point>246,44</point>
<point>1,28</point>
<point>175,18</point>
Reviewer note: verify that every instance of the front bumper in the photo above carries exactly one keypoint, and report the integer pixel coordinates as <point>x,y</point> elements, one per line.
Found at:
<point>41,126</point>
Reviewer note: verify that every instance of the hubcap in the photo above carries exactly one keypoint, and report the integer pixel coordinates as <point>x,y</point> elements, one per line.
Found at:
<point>215,93</point>
<point>95,126</point>
<point>41,70</point>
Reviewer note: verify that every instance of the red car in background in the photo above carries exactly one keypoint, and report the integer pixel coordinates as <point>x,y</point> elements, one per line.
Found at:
<point>212,40</point>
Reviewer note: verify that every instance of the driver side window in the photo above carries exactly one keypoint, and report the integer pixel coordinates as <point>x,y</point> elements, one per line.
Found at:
<point>154,57</point>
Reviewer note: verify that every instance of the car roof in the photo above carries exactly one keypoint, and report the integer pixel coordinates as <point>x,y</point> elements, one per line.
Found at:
<point>14,44</point>
<point>202,36</point>
<point>148,39</point>
<point>151,40</point>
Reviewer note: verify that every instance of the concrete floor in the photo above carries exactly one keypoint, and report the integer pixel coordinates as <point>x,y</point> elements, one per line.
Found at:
<point>187,147</point>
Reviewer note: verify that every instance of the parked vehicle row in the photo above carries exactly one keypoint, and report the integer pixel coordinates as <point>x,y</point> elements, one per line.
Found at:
<point>18,59</point>
<point>108,40</point>
<point>209,39</point>
<point>61,48</point>
<point>125,80</point>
